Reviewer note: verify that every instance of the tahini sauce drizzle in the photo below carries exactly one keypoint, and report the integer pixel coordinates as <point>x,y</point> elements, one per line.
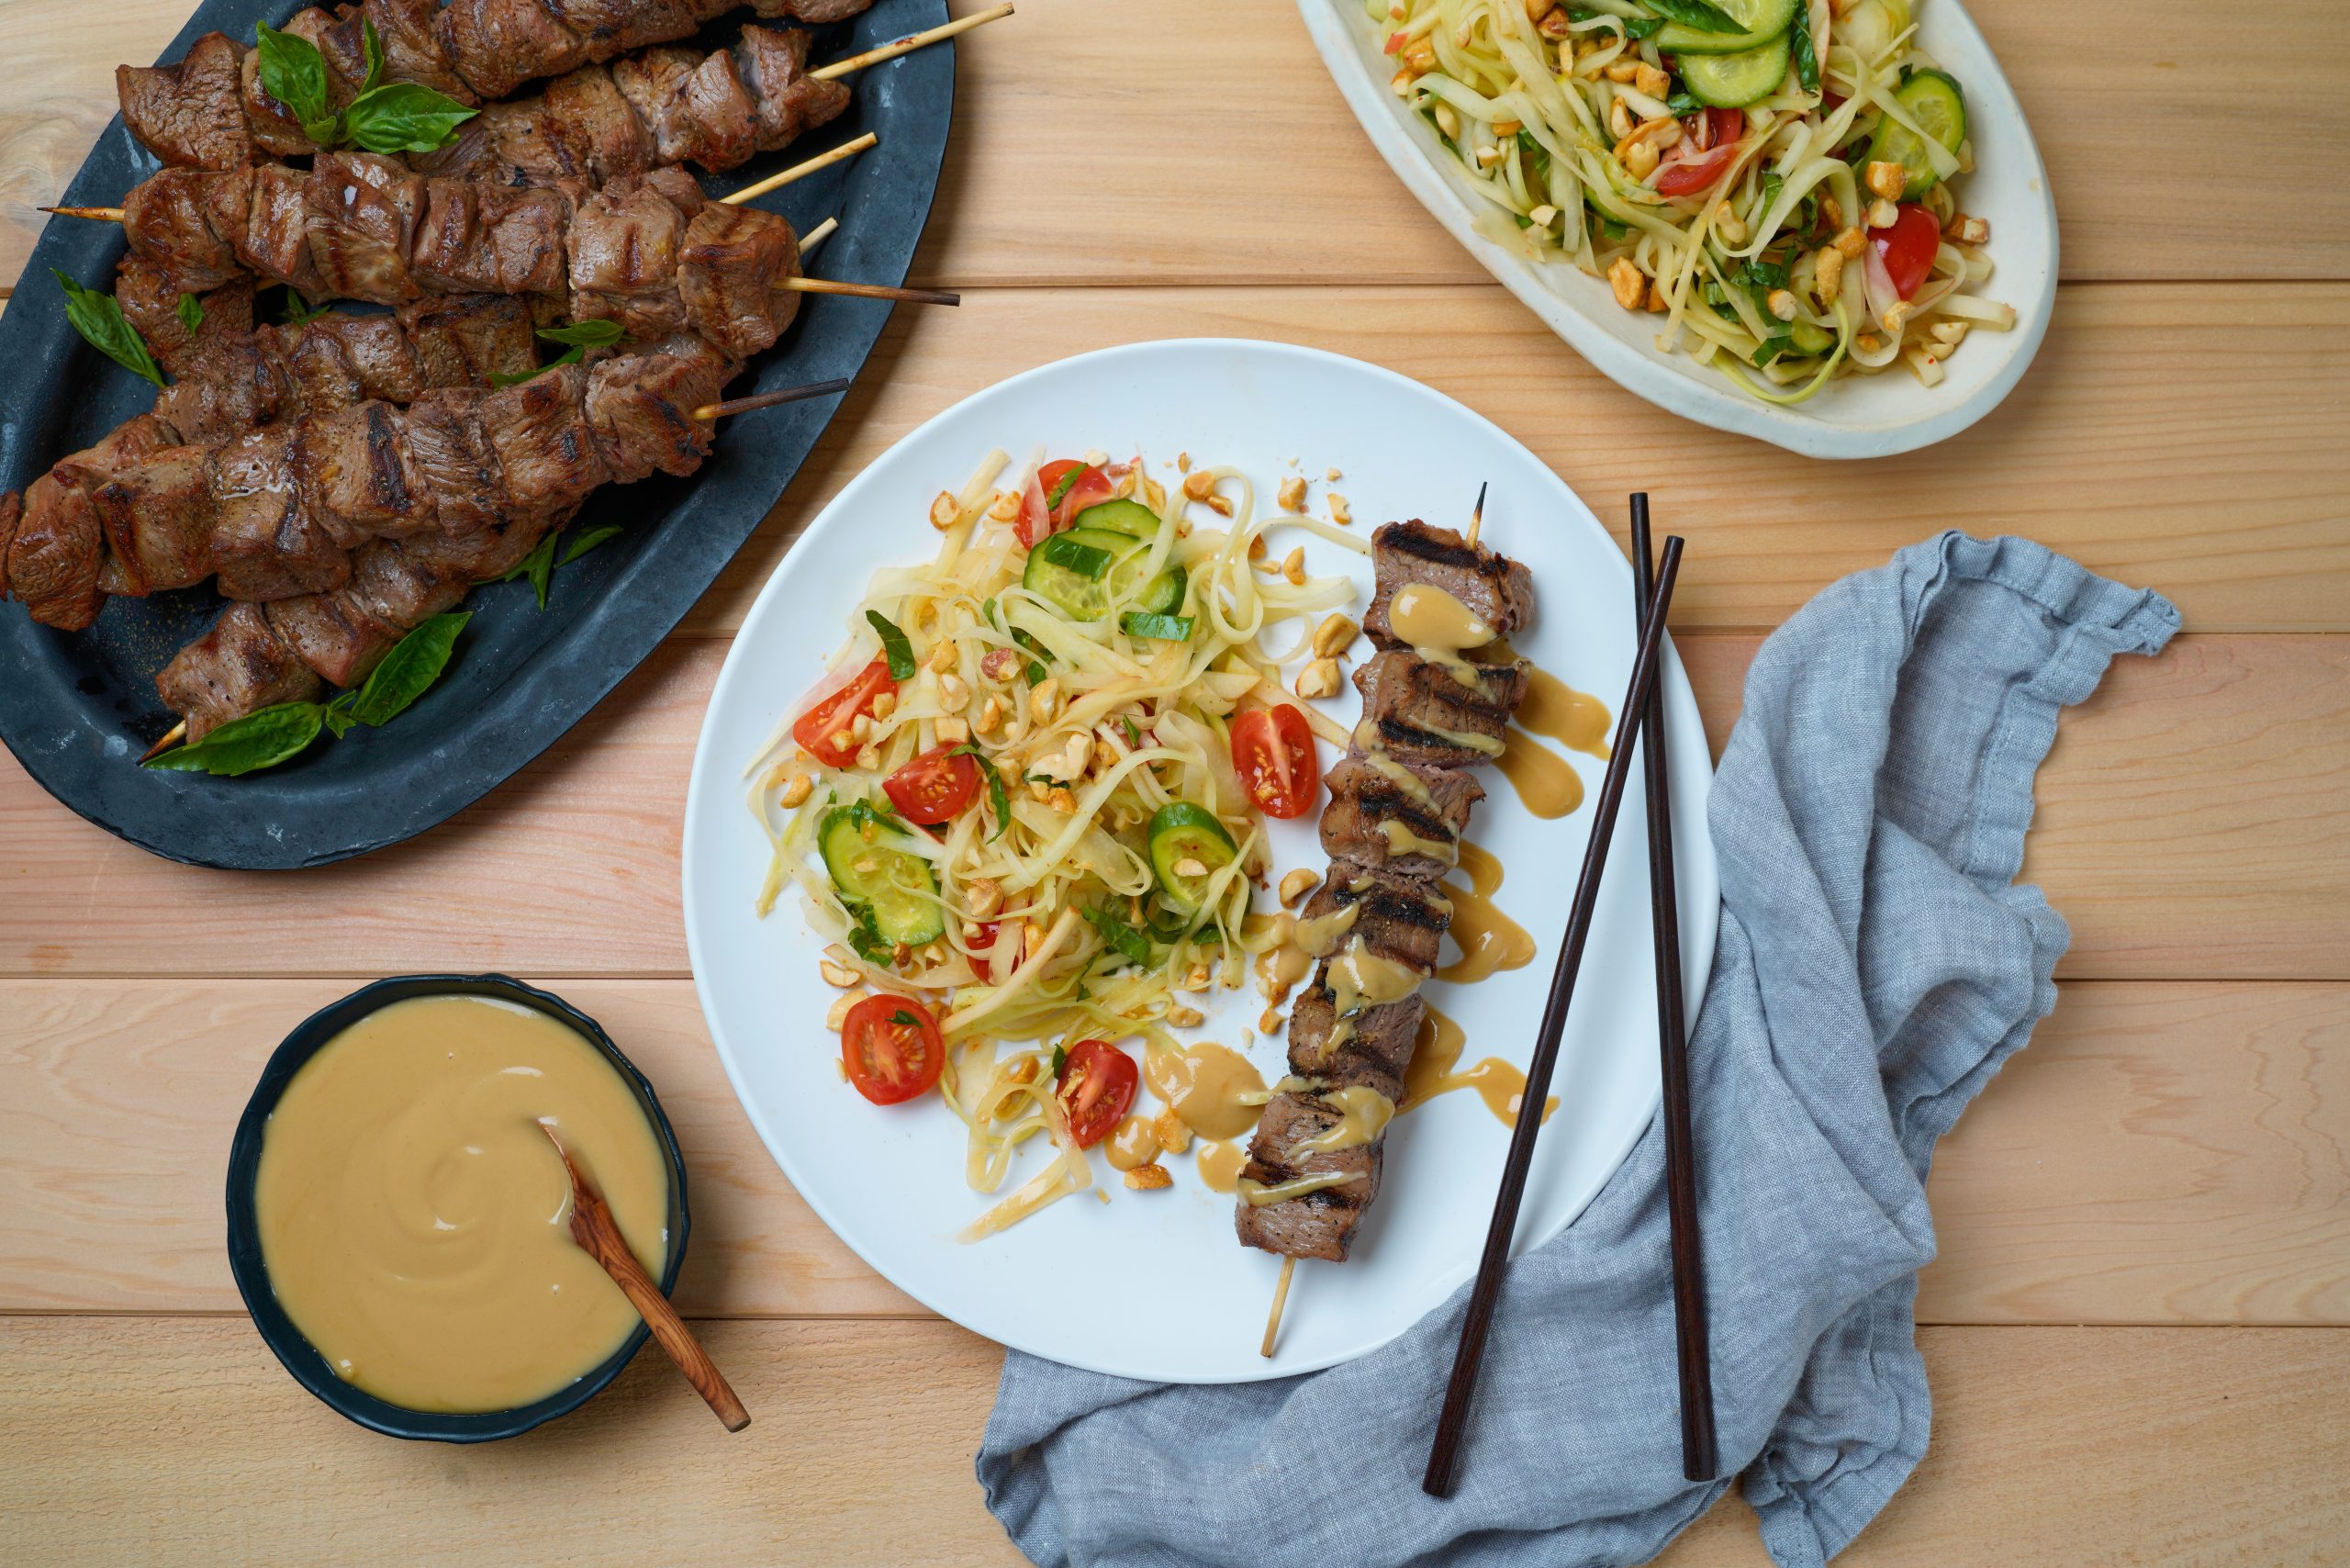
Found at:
<point>1490,940</point>
<point>1438,627</point>
<point>1576,720</point>
<point>1363,1113</point>
<point>1211,1087</point>
<point>1437,1051</point>
<point>1220,1165</point>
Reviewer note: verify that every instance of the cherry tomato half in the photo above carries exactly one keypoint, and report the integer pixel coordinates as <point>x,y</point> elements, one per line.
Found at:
<point>1908,247</point>
<point>933,787</point>
<point>814,729</point>
<point>892,1048</point>
<point>1272,750</point>
<point>1097,1088</point>
<point>1094,487</point>
<point>1036,519</point>
<point>993,968</point>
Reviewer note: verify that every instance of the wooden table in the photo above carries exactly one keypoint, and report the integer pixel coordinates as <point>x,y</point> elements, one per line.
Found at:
<point>2139,1326</point>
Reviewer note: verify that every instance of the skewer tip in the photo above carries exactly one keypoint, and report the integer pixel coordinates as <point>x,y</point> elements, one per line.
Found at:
<point>772,400</point>
<point>171,738</point>
<point>1477,514</point>
<point>1280,1298</point>
<point>102,214</point>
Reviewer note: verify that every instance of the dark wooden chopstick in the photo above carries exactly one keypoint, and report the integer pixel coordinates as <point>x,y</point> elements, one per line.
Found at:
<point>1452,1422</point>
<point>1699,1458</point>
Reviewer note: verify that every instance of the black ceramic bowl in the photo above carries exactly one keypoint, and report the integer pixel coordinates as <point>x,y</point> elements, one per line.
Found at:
<point>302,1359</point>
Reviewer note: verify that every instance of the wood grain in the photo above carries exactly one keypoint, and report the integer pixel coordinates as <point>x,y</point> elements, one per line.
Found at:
<point>126,1434</point>
<point>2163,1153</point>
<point>1214,149</point>
<point>2157,838</point>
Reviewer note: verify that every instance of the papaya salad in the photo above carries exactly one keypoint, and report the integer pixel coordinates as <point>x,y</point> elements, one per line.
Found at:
<point>1027,805</point>
<point>1771,177</point>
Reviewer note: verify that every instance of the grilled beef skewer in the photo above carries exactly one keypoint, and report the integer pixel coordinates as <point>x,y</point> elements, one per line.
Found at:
<point>1399,804</point>
<point>208,110</point>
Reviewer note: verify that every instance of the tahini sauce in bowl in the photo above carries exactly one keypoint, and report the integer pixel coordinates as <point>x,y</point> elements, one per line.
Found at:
<point>414,1220</point>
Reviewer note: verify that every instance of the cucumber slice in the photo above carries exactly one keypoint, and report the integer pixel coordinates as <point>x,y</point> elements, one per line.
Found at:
<point>1933,100</point>
<point>1761,19</point>
<point>1086,570</point>
<point>1132,518</point>
<point>895,887</point>
<point>1180,831</point>
<point>1764,16</point>
<point>1810,339</point>
<point>1734,80</point>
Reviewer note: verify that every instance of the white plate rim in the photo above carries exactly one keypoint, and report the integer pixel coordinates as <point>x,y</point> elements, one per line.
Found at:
<point>1699,884</point>
<point>1673,382</point>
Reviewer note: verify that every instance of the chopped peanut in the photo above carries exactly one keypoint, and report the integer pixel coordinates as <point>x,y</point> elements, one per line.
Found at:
<point>991,717</point>
<point>1554,24</point>
<point>1505,129</point>
<point>1729,225</point>
<point>868,757</point>
<point>1032,938</point>
<point>1297,884</point>
<point>984,895</point>
<point>1652,81</point>
<point>839,975</point>
<point>1000,663</point>
<point>1268,1021</point>
<point>1657,303</point>
<point>1829,275</point>
<point>1848,242</point>
<point>838,1013</point>
<point>1832,211</point>
<point>1543,217</point>
<point>1004,507</point>
<point>1340,513</point>
<point>1187,866</point>
<point>1868,343</point>
<point>840,740</point>
<point>1181,1017</point>
<point>1173,1133</point>
<point>797,791</point>
<point>1334,634</point>
<point>1640,158</point>
<point>1401,82</point>
<point>1446,120</point>
<point>1964,231</point>
<point>1319,678</point>
<point>1623,70</point>
<point>1148,1178</point>
<point>953,691</point>
<point>1196,977</point>
<point>1062,801</point>
<point>1782,304</point>
<point>1888,180</point>
<point>1620,123</point>
<point>1044,699</point>
<point>1293,566</point>
<point>944,656</point>
<point>1292,494</point>
<point>944,511</point>
<point>1882,214</point>
<point>954,731</point>
<point>1626,280</point>
<point>861,728</point>
<point>884,705</point>
<point>1105,755</point>
<point>1896,316</point>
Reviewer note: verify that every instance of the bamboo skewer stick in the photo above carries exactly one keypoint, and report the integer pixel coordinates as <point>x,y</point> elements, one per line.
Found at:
<point>757,188</point>
<point>102,214</point>
<point>769,399</point>
<point>172,737</point>
<point>1281,1299</point>
<point>840,68</point>
<point>1477,516</point>
<point>802,284</point>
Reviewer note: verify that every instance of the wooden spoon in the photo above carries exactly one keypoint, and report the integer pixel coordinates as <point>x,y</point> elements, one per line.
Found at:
<point>599,1236</point>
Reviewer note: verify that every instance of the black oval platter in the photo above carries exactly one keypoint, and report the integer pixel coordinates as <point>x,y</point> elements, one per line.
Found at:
<point>78,709</point>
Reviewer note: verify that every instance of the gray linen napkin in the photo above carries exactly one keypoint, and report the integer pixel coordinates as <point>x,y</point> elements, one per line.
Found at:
<point>1876,964</point>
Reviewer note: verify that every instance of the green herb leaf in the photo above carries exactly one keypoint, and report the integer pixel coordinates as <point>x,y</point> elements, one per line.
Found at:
<point>1771,348</point>
<point>1122,939</point>
<point>415,662</point>
<point>1807,54</point>
<point>262,738</point>
<point>371,44</point>
<point>534,567</point>
<point>1134,735</point>
<point>906,1018</point>
<point>504,378</point>
<point>1062,486</point>
<point>865,937</point>
<point>1694,14</point>
<point>403,116</point>
<point>1160,628</point>
<point>588,541</point>
<point>1062,550</point>
<point>190,311</point>
<point>894,645</point>
<point>997,799</point>
<point>1036,668</point>
<point>866,811</point>
<point>1537,156</point>
<point>1773,184</point>
<point>99,319</point>
<point>1060,1060</point>
<point>1683,104</point>
<point>1764,273</point>
<point>1639,27</point>
<point>593,333</point>
<point>293,73</point>
<point>299,312</point>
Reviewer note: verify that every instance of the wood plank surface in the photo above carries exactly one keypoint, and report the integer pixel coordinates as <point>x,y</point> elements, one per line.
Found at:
<point>2163,1153</point>
<point>1209,146</point>
<point>143,1439</point>
<point>2158,838</point>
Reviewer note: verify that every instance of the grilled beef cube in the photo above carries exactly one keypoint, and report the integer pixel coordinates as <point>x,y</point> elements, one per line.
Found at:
<point>169,219</point>
<point>1496,589</point>
<point>354,471</point>
<point>266,543</point>
<point>546,448</point>
<point>641,405</point>
<point>1425,806</point>
<point>1398,918</point>
<point>1320,1224</point>
<point>1423,715</point>
<point>363,214</point>
<point>1372,1048</point>
<point>233,389</point>
<point>773,64</point>
<point>390,582</point>
<point>271,129</point>
<point>58,557</point>
<point>815,13</point>
<point>456,562</point>
<point>411,52</point>
<point>624,245</point>
<point>331,635</point>
<point>494,46</point>
<point>591,124</point>
<point>477,237</point>
<point>464,341</point>
<point>189,115</point>
<point>238,668</point>
<point>693,106</point>
<point>727,271</point>
<point>158,515</point>
<point>340,359</point>
<point>449,459</point>
<point>149,299</point>
<point>275,236</point>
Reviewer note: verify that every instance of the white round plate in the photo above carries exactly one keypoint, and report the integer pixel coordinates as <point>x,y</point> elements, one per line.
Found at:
<point>1872,416</point>
<point>1153,1284</point>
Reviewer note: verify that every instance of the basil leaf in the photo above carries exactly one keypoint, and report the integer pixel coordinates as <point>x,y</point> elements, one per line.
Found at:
<point>1060,1060</point>
<point>1160,628</point>
<point>1123,940</point>
<point>190,311</point>
<point>262,738</point>
<point>1764,274</point>
<point>371,45</point>
<point>1062,486</point>
<point>293,71</point>
<point>1066,552</point>
<point>595,333</point>
<point>1639,27</point>
<point>1694,14</point>
<point>996,797</point>
<point>99,319</point>
<point>865,936</point>
<point>1683,104</point>
<point>1806,55</point>
<point>1769,349</point>
<point>906,1018</point>
<point>899,652</point>
<point>1134,735</point>
<point>534,567</point>
<point>588,541</point>
<point>1036,668</point>
<point>415,662</point>
<point>299,311</point>
<point>403,116</point>
<point>505,378</point>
